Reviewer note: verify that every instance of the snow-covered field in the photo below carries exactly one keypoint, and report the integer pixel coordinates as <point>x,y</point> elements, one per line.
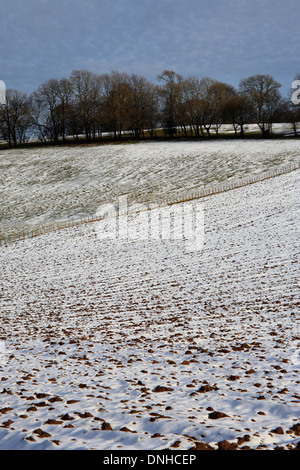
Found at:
<point>115,344</point>
<point>47,185</point>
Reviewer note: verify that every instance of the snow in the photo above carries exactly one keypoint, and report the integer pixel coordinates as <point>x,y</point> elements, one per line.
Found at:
<point>48,185</point>
<point>93,326</point>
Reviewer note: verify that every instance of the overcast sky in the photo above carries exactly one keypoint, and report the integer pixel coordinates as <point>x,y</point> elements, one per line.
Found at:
<point>223,39</point>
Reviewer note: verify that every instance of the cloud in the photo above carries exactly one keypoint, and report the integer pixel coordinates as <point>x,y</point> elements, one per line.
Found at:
<point>228,40</point>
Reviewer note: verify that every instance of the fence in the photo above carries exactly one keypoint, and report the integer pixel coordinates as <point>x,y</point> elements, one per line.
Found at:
<point>215,189</point>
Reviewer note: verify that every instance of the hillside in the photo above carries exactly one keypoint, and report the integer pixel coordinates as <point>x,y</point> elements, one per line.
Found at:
<point>49,185</point>
<point>145,344</point>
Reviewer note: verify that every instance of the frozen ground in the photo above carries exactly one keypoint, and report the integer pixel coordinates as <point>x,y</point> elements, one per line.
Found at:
<point>148,345</point>
<point>47,185</point>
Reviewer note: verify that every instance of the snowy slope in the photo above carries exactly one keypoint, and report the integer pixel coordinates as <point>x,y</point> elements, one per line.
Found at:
<point>46,185</point>
<point>115,344</point>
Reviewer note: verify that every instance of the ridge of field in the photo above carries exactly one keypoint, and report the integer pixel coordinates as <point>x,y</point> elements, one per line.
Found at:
<point>49,185</point>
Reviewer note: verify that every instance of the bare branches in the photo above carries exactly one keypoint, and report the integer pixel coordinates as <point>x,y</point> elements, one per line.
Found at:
<point>90,105</point>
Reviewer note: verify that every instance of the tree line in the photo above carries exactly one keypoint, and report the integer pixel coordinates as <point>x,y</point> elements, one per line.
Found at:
<point>94,105</point>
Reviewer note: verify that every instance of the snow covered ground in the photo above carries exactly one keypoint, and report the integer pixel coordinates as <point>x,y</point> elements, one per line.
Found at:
<point>123,344</point>
<point>46,185</point>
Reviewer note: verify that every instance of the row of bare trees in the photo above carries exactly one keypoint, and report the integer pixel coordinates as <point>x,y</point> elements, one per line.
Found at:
<point>92,105</point>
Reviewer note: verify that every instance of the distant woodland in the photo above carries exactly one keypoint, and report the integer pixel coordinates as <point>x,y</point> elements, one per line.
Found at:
<point>88,107</point>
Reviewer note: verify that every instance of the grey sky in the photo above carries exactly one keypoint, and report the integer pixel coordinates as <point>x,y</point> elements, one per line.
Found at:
<point>224,39</point>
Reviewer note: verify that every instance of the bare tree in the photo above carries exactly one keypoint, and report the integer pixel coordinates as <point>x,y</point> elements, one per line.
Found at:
<point>238,112</point>
<point>117,102</point>
<point>51,102</point>
<point>263,94</point>
<point>192,111</point>
<point>207,106</point>
<point>87,88</point>
<point>220,92</point>
<point>170,94</point>
<point>91,104</point>
<point>15,117</point>
<point>65,94</point>
<point>123,101</point>
<point>143,109</point>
